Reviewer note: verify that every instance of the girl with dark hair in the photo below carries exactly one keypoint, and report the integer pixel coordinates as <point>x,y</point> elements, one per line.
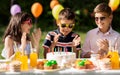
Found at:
<point>17,33</point>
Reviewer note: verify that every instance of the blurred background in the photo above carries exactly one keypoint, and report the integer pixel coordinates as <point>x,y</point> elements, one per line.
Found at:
<point>47,22</point>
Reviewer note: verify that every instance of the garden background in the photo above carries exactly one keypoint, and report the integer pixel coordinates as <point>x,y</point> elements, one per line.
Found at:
<point>82,8</point>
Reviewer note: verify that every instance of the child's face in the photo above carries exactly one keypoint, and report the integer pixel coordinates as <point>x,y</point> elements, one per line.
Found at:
<point>102,20</point>
<point>26,26</point>
<point>66,26</point>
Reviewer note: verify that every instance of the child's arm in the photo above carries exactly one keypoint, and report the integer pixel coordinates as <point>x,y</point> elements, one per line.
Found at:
<point>8,45</point>
<point>36,36</point>
<point>76,51</point>
<point>56,37</point>
<point>76,42</point>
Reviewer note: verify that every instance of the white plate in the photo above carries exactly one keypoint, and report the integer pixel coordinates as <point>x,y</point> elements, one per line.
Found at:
<point>84,69</point>
<point>4,61</point>
<point>53,70</point>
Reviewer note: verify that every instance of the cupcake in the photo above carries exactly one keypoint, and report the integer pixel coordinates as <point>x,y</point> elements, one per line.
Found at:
<point>44,60</point>
<point>54,64</point>
<point>89,64</point>
<point>15,66</point>
<point>80,65</point>
<point>48,65</point>
<point>40,65</point>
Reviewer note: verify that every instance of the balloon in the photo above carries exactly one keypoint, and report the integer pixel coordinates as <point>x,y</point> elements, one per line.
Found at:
<point>56,10</point>
<point>114,4</point>
<point>36,9</point>
<point>15,9</point>
<point>53,3</point>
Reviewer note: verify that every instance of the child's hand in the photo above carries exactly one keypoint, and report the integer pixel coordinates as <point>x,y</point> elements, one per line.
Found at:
<point>36,37</point>
<point>76,40</point>
<point>56,37</point>
<point>103,44</point>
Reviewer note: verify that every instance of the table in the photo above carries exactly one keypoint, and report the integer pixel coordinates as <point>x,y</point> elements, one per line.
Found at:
<point>65,71</point>
<point>68,71</point>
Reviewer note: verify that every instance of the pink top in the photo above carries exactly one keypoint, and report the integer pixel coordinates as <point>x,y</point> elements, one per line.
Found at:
<point>93,35</point>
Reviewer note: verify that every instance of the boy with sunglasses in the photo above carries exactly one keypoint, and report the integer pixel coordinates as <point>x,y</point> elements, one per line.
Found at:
<point>99,40</point>
<point>63,39</point>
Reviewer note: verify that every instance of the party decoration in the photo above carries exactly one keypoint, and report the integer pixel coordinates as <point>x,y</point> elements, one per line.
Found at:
<point>53,3</point>
<point>56,10</point>
<point>15,9</point>
<point>36,9</point>
<point>114,4</point>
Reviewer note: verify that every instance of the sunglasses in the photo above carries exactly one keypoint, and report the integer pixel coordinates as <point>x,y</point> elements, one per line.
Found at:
<point>28,21</point>
<point>67,25</point>
<point>99,18</point>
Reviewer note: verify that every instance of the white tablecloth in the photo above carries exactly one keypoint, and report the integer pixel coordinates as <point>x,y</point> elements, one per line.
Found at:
<point>65,72</point>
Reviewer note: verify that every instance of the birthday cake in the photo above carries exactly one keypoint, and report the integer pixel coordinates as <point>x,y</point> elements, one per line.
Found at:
<point>69,57</point>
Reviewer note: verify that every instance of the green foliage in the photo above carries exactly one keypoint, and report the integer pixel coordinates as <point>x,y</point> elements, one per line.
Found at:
<point>82,8</point>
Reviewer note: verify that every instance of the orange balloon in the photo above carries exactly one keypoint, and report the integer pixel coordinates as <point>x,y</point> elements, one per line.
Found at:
<point>53,3</point>
<point>114,4</point>
<point>36,9</point>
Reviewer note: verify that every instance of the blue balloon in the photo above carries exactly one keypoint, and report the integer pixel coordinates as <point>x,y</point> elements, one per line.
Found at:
<point>15,9</point>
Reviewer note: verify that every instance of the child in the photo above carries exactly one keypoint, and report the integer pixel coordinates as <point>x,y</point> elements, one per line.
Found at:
<point>99,40</point>
<point>63,38</point>
<point>17,34</point>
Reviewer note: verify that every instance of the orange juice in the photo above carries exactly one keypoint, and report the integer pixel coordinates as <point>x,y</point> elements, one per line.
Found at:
<point>24,62</point>
<point>115,60</point>
<point>109,54</point>
<point>17,55</point>
<point>33,59</point>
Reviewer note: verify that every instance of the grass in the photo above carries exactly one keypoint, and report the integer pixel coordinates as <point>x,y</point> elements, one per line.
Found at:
<point>44,32</point>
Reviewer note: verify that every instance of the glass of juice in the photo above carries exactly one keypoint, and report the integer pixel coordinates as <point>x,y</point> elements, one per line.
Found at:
<point>33,58</point>
<point>24,62</point>
<point>17,55</point>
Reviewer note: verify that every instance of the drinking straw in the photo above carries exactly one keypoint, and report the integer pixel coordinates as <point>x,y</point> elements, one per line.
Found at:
<point>116,46</point>
<point>31,47</point>
<point>15,45</point>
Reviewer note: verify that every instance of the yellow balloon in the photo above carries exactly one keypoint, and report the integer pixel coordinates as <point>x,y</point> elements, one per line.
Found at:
<point>56,10</point>
<point>114,4</point>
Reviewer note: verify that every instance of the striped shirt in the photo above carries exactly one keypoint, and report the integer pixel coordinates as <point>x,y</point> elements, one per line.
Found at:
<point>64,42</point>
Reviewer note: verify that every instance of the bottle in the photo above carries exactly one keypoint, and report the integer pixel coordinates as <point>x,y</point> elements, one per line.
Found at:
<point>17,55</point>
<point>115,59</point>
<point>24,62</point>
<point>33,58</point>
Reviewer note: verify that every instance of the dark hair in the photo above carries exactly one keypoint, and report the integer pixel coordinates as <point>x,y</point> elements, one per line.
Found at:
<point>103,7</point>
<point>14,27</point>
<point>66,13</point>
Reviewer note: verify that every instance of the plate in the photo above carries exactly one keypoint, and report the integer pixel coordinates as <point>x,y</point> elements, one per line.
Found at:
<point>84,69</point>
<point>4,61</point>
<point>87,70</point>
<point>52,70</point>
